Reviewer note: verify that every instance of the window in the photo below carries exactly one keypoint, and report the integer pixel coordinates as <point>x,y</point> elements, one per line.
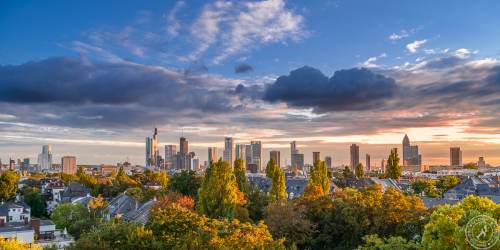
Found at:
<point>10,218</point>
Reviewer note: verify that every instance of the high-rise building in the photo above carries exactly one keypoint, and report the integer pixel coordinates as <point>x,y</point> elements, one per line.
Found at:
<point>481,163</point>
<point>382,166</point>
<point>183,146</point>
<point>212,155</point>
<point>45,158</point>
<point>257,154</point>
<point>293,148</point>
<point>316,157</point>
<point>239,152</point>
<point>228,151</point>
<point>328,162</point>
<point>297,159</point>
<point>12,165</point>
<point>183,157</point>
<point>368,163</point>
<point>25,165</point>
<point>354,156</point>
<point>152,151</point>
<point>170,152</point>
<point>248,156</point>
<point>68,164</point>
<point>195,164</point>
<point>410,153</point>
<point>275,155</point>
<point>455,157</point>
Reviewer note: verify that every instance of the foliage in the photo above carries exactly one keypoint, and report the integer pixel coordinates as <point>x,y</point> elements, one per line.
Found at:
<point>180,228</point>
<point>186,183</point>
<point>181,200</point>
<point>68,178</point>
<point>256,203</point>
<point>219,194</point>
<point>278,186</point>
<point>270,168</point>
<point>394,170</point>
<point>446,228</point>
<point>241,179</point>
<point>471,166</point>
<point>8,185</point>
<point>360,171</point>
<point>446,183</point>
<point>117,235</point>
<point>347,173</point>
<point>425,186</point>
<point>38,205</point>
<point>287,220</point>
<point>319,176</point>
<point>74,217</point>
<point>14,244</point>
<point>374,242</point>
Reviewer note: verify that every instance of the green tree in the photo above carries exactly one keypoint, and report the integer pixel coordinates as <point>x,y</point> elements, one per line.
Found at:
<point>446,183</point>
<point>394,170</point>
<point>446,227</point>
<point>287,220</point>
<point>38,205</point>
<point>8,185</point>
<point>239,173</point>
<point>360,171</point>
<point>270,168</point>
<point>319,175</point>
<point>186,183</point>
<point>257,201</point>
<point>74,217</point>
<point>347,173</point>
<point>278,185</point>
<point>374,242</point>
<point>218,195</point>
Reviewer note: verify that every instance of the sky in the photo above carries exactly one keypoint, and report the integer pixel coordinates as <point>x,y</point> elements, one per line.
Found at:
<point>93,78</point>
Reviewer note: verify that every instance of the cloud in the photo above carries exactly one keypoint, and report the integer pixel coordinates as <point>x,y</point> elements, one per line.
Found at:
<point>248,24</point>
<point>413,47</point>
<point>353,89</point>
<point>462,53</point>
<point>173,25</point>
<point>402,34</point>
<point>243,68</point>
<point>370,62</point>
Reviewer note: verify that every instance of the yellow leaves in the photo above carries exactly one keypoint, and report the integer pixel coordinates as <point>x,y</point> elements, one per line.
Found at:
<point>97,203</point>
<point>14,244</point>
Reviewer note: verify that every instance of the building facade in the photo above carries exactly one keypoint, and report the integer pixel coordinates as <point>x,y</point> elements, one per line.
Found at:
<point>455,157</point>
<point>45,158</point>
<point>228,154</point>
<point>68,164</point>
<point>411,157</point>
<point>275,155</point>
<point>354,156</point>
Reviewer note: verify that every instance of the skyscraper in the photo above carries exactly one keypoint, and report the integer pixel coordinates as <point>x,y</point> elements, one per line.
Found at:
<point>170,152</point>
<point>45,158</point>
<point>68,164</point>
<point>183,146</point>
<point>410,153</point>
<point>228,151</point>
<point>368,163</point>
<point>212,155</point>
<point>455,157</point>
<point>152,152</point>
<point>293,148</point>
<point>257,154</point>
<point>328,162</point>
<point>481,163</point>
<point>316,157</point>
<point>183,157</point>
<point>354,156</point>
<point>275,155</point>
<point>239,152</point>
<point>248,155</point>
<point>297,159</point>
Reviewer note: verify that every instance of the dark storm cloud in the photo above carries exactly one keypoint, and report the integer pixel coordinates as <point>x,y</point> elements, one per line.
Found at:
<point>352,89</point>
<point>74,81</point>
<point>444,62</point>
<point>242,68</point>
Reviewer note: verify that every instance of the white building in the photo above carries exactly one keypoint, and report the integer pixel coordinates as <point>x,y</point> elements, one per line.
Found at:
<point>45,158</point>
<point>228,150</point>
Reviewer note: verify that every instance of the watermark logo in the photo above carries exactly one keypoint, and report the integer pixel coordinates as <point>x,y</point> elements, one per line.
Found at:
<point>481,232</point>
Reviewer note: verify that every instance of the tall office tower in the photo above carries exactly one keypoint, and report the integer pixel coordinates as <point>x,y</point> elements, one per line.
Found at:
<point>275,155</point>
<point>481,163</point>
<point>382,166</point>
<point>354,156</point>
<point>12,165</point>
<point>368,164</point>
<point>26,164</point>
<point>410,153</point>
<point>248,155</point>
<point>183,146</point>
<point>152,151</point>
<point>328,162</point>
<point>257,154</point>
<point>228,151</point>
<point>195,164</point>
<point>455,157</point>
<point>45,158</point>
<point>316,157</point>
<point>170,152</point>
<point>293,148</point>
<point>68,164</point>
<point>239,152</point>
<point>298,161</point>
<point>212,155</point>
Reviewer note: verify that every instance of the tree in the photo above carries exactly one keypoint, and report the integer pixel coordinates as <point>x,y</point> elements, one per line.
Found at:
<point>14,244</point>
<point>394,170</point>
<point>425,186</point>
<point>447,224</point>
<point>374,242</point>
<point>270,168</point>
<point>8,185</point>
<point>347,173</point>
<point>256,203</point>
<point>360,171</point>
<point>38,205</point>
<point>278,185</point>
<point>446,183</point>
<point>74,217</point>
<point>319,176</point>
<point>241,179</point>
<point>287,221</point>
<point>218,195</point>
<point>186,183</point>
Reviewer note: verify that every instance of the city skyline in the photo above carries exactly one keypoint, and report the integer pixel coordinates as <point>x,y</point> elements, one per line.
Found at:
<point>327,74</point>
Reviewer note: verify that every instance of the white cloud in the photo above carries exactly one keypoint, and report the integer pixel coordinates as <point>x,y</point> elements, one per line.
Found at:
<point>173,25</point>
<point>397,36</point>
<point>248,25</point>
<point>462,53</point>
<point>371,61</point>
<point>413,47</point>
